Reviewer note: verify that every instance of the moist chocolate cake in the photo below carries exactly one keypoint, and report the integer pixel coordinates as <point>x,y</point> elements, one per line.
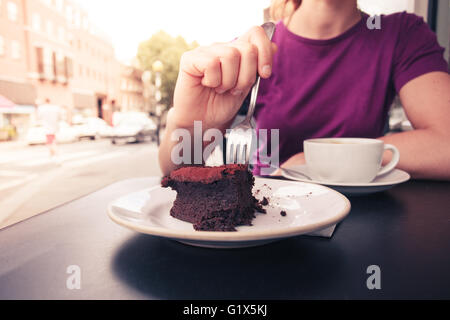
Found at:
<point>213,198</point>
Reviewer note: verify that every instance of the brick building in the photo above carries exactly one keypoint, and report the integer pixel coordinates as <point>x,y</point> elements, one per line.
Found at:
<point>14,82</point>
<point>131,97</point>
<point>50,49</point>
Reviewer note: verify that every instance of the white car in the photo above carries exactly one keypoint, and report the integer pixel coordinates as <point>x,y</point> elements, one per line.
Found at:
<point>37,135</point>
<point>134,129</point>
<point>66,133</point>
<point>93,128</point>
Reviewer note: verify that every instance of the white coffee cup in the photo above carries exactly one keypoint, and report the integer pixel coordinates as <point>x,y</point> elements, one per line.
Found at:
<point>347,160</point>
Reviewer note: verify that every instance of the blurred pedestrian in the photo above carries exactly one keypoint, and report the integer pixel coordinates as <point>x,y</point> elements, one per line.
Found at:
<point>49,116</point>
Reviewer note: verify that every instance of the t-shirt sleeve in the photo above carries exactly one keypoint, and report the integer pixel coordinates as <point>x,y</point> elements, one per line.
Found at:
<point>417,51</point>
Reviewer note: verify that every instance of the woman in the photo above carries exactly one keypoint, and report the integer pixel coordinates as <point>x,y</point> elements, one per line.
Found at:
<point>326,74</point>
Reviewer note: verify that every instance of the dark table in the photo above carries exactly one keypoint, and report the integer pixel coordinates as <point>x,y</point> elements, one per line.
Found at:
<point>405,231</point>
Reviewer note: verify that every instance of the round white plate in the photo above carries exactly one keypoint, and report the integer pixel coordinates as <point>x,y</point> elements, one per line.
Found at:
<point>381,183</point>
<point>309,208</point>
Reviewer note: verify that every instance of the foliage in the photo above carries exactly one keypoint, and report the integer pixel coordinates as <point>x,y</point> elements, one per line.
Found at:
<point>167,49</point>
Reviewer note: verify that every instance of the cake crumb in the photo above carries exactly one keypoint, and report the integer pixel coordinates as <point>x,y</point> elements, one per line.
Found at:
<point>268,187</point>
<point>283,213</point>
<point>259,208</point>
<point>264,201</point>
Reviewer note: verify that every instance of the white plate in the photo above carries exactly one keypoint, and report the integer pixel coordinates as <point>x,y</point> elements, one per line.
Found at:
<point>381,183</point>
<point>309,208</point>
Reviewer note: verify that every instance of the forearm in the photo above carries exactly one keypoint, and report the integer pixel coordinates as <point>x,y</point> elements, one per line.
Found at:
<point>424,153</point>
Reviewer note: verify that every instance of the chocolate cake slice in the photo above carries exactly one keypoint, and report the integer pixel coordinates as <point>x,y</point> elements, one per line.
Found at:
<point>213,198</point>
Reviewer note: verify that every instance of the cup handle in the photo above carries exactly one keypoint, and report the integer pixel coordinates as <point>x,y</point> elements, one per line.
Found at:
<point>394,161</point>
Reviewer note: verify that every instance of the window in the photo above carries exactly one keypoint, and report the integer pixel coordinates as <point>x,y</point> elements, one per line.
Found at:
<point>85,23</point>
<point>36,22</point>
<point>15,49</point>
<point>125,101</point>
<point>61,34</point>
<point>50,28</point>
<point>49,68</point>
<point>69,38</point>
<point>12,11</point>
<point>69,14</point>
<point>60,65</point>
<point>77,19</point>
<point>59,5</point>
<point>2,46</point>
<point>40,60</point>
<point>68,67</point>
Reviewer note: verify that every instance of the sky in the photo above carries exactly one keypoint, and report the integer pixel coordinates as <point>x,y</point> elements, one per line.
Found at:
<point>129,22</point>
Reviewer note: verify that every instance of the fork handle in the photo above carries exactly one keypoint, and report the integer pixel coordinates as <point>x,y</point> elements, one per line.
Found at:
<point>269,28</point>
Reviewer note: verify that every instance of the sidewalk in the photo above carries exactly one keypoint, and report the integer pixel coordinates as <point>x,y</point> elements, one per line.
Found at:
<point>76,177</point>
<point>11,145</point>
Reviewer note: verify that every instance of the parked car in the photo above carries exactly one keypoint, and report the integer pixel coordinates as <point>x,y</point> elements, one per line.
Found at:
<point>37,135</point>
<point>93,128</point>
<point>134,128</point>
<point>8,132</point>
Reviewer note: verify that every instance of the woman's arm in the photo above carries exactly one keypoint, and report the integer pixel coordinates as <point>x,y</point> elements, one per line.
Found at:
<point>425,151</point>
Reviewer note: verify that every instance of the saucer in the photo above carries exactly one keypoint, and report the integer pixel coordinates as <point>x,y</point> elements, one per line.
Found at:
<point>381,183</point>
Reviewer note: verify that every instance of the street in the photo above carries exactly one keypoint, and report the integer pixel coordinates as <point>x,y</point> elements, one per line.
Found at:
<point>32,183</point>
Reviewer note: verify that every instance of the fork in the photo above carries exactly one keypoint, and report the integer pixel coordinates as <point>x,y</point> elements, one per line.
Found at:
<point>239,140</point>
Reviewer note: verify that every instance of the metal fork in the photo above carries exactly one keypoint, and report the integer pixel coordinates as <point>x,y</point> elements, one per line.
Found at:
<point>239,140</point>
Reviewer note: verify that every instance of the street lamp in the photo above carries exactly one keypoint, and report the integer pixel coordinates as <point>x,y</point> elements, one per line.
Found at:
<point>147,77</point>
<point>147,81</point>
<point>157,68</point>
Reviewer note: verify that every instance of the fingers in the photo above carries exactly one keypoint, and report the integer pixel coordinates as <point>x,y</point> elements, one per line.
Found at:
<point>231,67</point>
<point>257,36</point>
<point>248,67</point>
<point>224,67</point>
<point>230,61</point>
<point>203,67</point>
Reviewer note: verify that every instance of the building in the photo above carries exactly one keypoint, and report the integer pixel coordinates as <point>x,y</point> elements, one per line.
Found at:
<point>14,83</point>
<point>131,89</point>
<point>50,49</point>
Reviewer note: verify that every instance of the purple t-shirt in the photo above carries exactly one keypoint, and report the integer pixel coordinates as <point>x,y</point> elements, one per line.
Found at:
<point>343,87</point>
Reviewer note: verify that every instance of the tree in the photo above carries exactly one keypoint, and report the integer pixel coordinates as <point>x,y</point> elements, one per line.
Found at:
<point>167,49</point>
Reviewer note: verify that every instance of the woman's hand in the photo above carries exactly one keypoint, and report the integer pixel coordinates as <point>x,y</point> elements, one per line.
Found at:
<point>213,81</point>
<point>212,85</point>
<point>297,159</point>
